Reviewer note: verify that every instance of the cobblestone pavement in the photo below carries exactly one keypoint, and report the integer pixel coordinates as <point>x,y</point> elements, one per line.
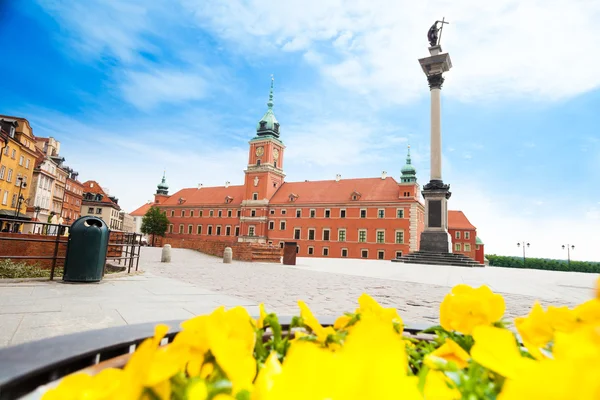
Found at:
<point>279,287</point>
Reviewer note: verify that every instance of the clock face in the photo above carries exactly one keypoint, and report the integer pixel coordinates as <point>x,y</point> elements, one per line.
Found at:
<point>276,154</point>
<point>260,151</point>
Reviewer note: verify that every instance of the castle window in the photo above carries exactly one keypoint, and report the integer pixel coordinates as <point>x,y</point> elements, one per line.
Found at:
<point>398,254</point>
<point>275,164</point>
<point>399,213</point>
<point>363,213</point>
<point>457,247</point>
<point>251,231</point>
<point>199,230</point>
<point>344,252</point>
<point>283,211</point>
<point>299,213</point>
<point>311,234</point>
<point>183,213</point>
<point>209,230</point>
<point>263,125</point>
<point>457,235</point>
<point>190,229</point>
<point>327,213</point>
<point>254,196</point>
<point>311,250</point>
<point>341,235</point>
<point>276,128</point>
<point>364,253</point>
<point>380,236</point>
<point>218,230</point>
<point>467,247</point>
<point>228,213</point>
<point>399,237</point>
<point>362,235</point>
<point>200,213</point>
<point>325,251</point>
<point>272,211</point>
<point>211,213</point>
<point>191,213</point>
<point>326,234</point>
<point>220,213</point>
<point>297,233</point>
<point>227,230</point>
<point>253,213</point>
<point>271,225</point>
<point>181,228</point>
<point>342,213</point>
<point>381,255</point>
<point>257,162</point>
<point>381,213</point>
<point>313,212</point>
<point>237,231</point>
<point>467,235</point>
<point>171,228</point>
<point>282,225</point>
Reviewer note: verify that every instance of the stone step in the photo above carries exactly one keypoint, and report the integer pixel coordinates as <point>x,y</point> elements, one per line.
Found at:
<point>422,257</point>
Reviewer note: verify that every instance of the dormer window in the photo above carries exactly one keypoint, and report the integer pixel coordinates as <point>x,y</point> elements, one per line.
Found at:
<point>181,200</point>
<point>293,197</point>
<point>355,195</point>
<point>276,129</point>
<point>228,199</point>
<point>263,125</point>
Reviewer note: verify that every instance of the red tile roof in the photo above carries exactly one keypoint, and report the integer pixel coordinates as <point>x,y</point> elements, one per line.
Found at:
<point>93,187</point>
<point>331,191</point>
<point>458,220</point>
<point>207,196</point>
<point>140,212</point>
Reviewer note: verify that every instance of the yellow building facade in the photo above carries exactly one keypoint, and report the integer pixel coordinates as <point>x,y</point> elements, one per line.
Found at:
<point>18,159</point>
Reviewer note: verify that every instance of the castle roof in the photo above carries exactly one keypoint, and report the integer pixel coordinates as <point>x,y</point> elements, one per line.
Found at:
<point>458,220</point>
<point>230,195</point>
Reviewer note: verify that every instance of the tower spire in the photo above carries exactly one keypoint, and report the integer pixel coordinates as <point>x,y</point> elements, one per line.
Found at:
<point>409,173</point>
<point>162,187</point>
<point>270,102</point>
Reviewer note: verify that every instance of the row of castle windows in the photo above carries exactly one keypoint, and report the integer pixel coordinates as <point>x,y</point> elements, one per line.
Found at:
<point>364,253</point>
<point>312,213</point>
<point>466,235</point>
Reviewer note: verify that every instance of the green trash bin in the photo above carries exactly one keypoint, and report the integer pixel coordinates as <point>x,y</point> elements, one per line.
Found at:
<point>86,250</point>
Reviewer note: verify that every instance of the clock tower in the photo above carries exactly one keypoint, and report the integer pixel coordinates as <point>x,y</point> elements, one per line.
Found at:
<point>264,175</point>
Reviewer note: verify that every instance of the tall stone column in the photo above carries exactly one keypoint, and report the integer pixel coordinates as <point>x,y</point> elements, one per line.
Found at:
<point>435,237</point>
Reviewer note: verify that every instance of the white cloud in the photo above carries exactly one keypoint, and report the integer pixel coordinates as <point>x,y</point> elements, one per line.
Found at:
<point>147,90</point>
<point>500,49</point>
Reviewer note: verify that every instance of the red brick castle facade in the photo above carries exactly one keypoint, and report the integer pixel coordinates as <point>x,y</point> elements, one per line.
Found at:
<point>374,218</point>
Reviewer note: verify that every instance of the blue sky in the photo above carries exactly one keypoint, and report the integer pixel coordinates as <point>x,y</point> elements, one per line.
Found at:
<point>132,89</point>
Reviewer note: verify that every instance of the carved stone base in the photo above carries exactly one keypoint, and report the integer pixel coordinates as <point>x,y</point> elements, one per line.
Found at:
<point>436,242</point>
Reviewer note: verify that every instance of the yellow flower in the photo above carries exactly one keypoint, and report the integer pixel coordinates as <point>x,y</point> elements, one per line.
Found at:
<point>439,387</point>
<point>266,376</point>
<point>197,391</point>
<point>562,319</point>
<point>588,312</point>
<point>465,308</point>
<point>450,351</point>
<point>341,322</point>
<point>312,322</point>
<point>260,322</point>
<point>496,349</point>
<point>536,330</point>
<point>104,385</point>
<point>368,306</point>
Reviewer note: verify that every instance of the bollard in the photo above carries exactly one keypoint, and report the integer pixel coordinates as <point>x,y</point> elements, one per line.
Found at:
<point>166,254</point>
<point>227,255</point>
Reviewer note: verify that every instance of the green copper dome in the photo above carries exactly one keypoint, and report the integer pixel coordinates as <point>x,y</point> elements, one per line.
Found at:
<point>409,173</point>
<point>268,125</point>
<point>162,187</point>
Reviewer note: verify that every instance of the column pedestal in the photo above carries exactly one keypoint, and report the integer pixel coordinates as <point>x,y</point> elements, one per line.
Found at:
<point>435,238</point>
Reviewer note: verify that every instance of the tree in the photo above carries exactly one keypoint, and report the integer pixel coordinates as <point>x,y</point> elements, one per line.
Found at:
<point>155,222</point>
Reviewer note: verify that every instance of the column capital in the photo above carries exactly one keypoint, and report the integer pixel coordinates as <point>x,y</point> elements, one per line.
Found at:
<point>435,81</point>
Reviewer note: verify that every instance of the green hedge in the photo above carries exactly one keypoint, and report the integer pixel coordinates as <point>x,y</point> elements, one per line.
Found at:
<point>543,263</point>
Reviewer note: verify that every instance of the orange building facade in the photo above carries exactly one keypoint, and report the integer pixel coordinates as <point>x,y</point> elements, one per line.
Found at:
<point>372,218</point>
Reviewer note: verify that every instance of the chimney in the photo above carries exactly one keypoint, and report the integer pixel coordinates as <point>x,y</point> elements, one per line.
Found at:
<point>227,184</point>
<point>338,177</point>
<point>199,186</point>
<point>383,174</point>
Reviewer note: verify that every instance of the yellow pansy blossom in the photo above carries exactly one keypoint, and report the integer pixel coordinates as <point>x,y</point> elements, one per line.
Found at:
<point>450,351</point>
<point>464,308</point>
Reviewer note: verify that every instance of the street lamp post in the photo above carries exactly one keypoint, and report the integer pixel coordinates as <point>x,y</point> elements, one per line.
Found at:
<point>20,199</point>
<point>569,248</point>
<point>523,244</point>
<point>37,210</point>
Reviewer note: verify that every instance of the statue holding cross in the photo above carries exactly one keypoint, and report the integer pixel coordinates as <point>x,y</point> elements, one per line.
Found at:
<point>434,35</point>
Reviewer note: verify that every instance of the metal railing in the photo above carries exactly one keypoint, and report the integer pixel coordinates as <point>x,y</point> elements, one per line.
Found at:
<point>130,244</point>
<point>49,233</point>
<point>25,367</point>
<point>123,248</point>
